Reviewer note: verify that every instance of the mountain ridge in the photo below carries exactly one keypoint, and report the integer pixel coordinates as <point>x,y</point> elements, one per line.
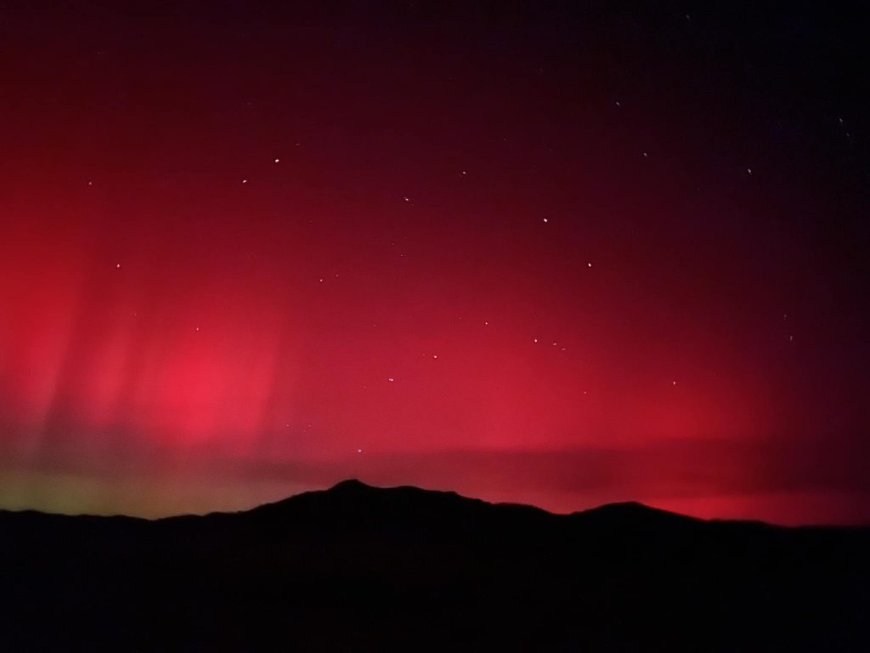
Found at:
<point>358,490</point>
<point>362,568</point>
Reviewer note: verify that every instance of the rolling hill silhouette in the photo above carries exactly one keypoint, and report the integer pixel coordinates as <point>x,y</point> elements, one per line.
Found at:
<point>358,568</point>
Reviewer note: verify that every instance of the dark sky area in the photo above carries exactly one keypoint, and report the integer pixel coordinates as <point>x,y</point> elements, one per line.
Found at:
<point>561,253</point>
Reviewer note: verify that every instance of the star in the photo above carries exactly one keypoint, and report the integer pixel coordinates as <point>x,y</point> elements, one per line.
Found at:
<point>749,171</point>
<point>117,266</point>
<point>277,160</point>
<point>546,219</point>
<point>244,181</point>
<point>673,383</point>
<point>589,264</point>
<point>391,379</point>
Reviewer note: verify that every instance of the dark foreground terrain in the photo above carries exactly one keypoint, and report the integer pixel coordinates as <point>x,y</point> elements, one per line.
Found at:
<point>358,568</point>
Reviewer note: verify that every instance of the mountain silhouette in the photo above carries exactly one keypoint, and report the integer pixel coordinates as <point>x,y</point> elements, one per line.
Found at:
<point>361,568</point>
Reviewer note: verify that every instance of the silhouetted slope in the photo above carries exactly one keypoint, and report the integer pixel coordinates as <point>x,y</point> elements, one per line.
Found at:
<point>368,569</point>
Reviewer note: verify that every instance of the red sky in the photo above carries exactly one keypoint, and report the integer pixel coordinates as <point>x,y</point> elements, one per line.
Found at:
<point>528,254</point>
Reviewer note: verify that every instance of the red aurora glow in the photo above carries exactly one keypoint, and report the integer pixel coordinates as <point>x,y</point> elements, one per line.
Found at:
<point>242,258</point>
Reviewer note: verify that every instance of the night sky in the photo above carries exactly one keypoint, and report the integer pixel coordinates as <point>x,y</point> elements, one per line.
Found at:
<point>552,253</point>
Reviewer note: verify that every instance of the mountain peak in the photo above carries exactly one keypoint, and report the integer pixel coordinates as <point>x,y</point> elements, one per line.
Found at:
<point>633,512</point>
<point>627,506</point>
<point>350,485</point>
